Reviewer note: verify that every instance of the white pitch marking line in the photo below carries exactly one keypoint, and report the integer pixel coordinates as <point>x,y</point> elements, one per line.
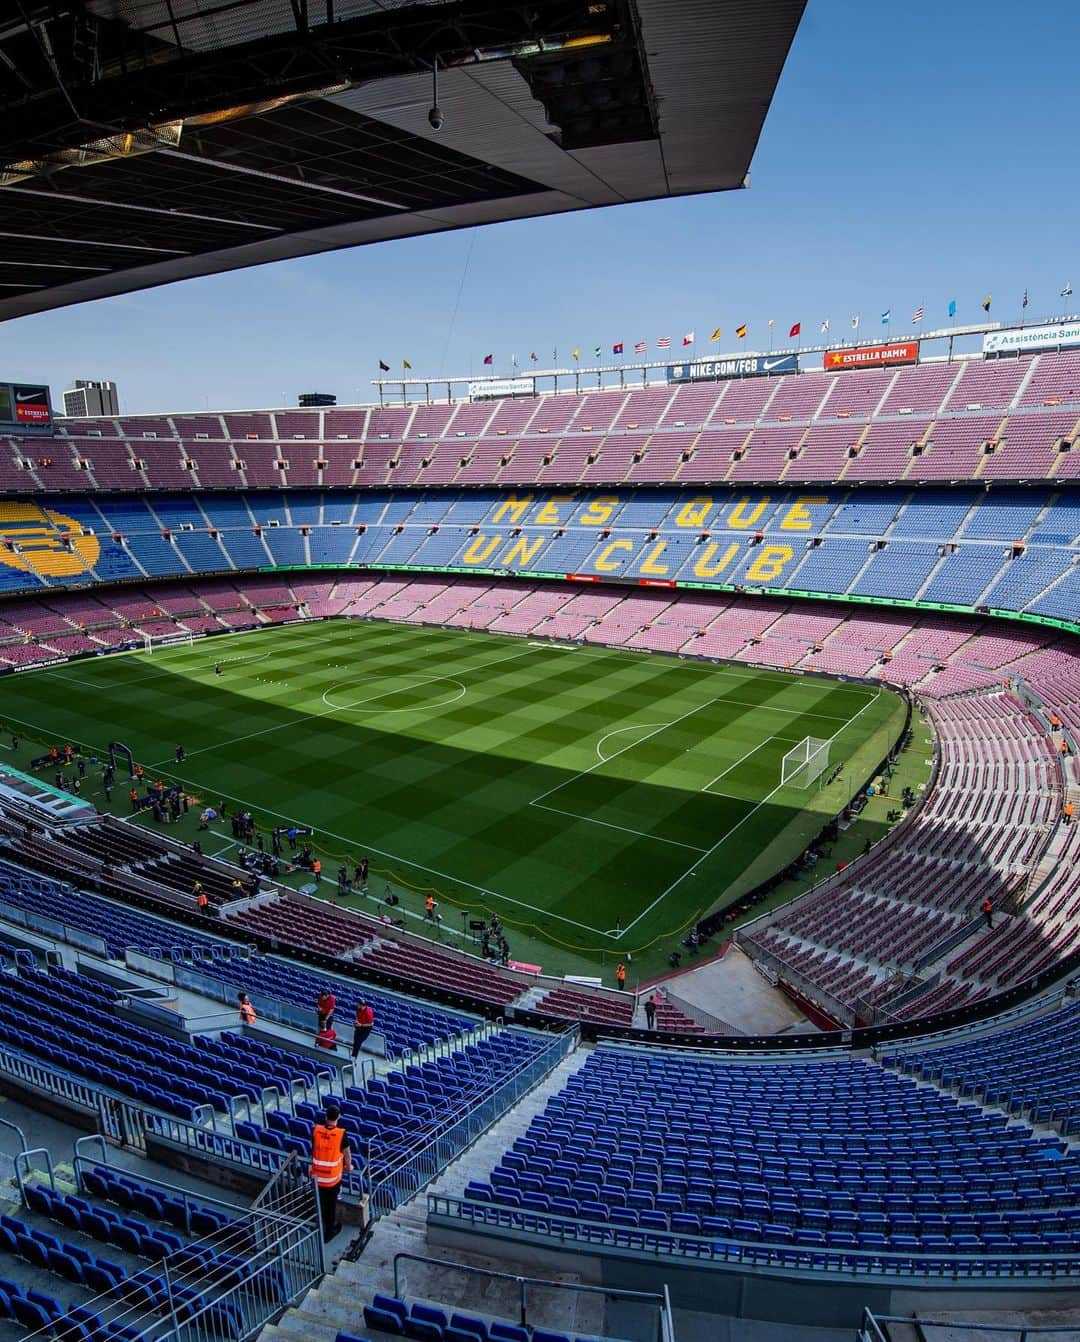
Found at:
<point>279,726</point>
<point>358,704</point>
<point>634,727</point>
<point>641,833</point>
<point>357,843</point>
<point>738,825</point>
<point>753,750</point>
<point>592,767</point>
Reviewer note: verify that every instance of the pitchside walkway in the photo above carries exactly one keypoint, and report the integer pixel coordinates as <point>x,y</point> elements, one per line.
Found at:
<point>734,990</point>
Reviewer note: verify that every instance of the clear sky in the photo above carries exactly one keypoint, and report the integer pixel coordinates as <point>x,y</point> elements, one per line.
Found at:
<point>914,153</point>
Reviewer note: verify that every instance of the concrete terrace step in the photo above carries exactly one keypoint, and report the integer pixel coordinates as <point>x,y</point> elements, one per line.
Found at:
<point>479,1160</point>
<point>336,1303</point>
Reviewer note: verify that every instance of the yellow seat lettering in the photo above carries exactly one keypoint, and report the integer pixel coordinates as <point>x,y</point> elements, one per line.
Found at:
<point>549,512</point>
<point>694,513</point>
<point>799,517</point>
<point>705,568</point>
<point>651,563</point>
<point>770,563</point>
<point>606,562</point>
<point>512,508</point>
<point>599,511</point>
<point>481,549</point>
<point>741,519</point>
<point>522,552</point>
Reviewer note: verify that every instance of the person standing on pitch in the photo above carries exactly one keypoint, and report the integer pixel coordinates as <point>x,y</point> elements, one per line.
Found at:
<point>331,1160</point>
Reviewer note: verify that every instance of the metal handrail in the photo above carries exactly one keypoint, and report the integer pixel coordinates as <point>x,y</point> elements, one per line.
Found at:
<point>280,1250</point>
<point>437,1149</point>
<point>728,1251</point>
<point>660,1299</point>
<point>1019,1332</point>
<point>24,1145</point>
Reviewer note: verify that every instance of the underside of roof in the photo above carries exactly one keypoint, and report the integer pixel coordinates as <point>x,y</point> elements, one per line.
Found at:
<point>145,141</point>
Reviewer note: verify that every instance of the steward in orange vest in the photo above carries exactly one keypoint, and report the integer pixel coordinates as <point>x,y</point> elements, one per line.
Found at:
<point>331,1159</point>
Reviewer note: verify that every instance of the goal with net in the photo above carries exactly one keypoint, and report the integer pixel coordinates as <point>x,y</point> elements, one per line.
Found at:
<point>805,762</point>
<point>152,641</point>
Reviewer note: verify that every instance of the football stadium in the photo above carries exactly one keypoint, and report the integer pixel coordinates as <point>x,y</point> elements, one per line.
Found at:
<point>574,852</point>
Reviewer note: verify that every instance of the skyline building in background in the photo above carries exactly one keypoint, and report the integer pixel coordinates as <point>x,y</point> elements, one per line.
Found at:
<point>84,398</point>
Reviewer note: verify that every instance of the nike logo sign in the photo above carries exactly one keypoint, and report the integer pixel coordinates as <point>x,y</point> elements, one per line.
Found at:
<point>768,364</point>
<point>29,396</point>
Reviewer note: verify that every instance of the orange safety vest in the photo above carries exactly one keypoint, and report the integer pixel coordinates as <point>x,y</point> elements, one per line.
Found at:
<point>247,1013</point>
<point>202,899</point>
<point>327,1156</point>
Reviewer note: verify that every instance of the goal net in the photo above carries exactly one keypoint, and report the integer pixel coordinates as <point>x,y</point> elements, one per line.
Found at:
<point>805,762</point>
<point>152,641</point>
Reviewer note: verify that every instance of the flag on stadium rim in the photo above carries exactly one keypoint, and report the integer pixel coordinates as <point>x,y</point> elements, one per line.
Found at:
<point>886,316</point>
<point>917,315</point>
<point>688,339</point>
<point>985,304</point>
<point>406,364</point>
<point>664,342</point>
<point>740,331</point>
<point>596,351</point>
<point>384,367</point>
<point>535,358</point>
<point>952,307</point>
<point>576,353</point>
<point>854,321</point>
<point>1067,291</point>
<point>1024,302</point>
<point>796,330</point>
<point>640,347</point>
<point>824,326</point>
<point>617,348</point>
<point>716,335</point>
<point>489,359</point>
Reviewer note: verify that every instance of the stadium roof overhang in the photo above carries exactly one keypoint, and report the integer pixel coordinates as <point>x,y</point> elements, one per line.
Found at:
<point>145,141</point>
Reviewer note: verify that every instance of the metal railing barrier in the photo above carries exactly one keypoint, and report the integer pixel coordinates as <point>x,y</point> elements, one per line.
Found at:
<point>663,1331</point>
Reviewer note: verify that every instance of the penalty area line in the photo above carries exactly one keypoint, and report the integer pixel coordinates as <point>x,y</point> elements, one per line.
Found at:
<point>738,825</point>
<point>641,833</point>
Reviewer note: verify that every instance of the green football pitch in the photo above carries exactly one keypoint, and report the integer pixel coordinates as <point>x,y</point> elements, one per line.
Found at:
<point>596,799</point>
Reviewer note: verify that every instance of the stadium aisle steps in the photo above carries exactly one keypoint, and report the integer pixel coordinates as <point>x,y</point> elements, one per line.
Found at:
<point>474,1163</point>
<point>337,1301</point>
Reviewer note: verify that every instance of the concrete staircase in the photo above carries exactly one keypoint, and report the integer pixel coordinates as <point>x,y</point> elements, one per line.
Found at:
<point>337,1302</point>
<point>479,1160</point>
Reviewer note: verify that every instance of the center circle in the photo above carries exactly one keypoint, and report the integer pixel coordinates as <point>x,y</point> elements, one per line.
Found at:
<point>434,693</point>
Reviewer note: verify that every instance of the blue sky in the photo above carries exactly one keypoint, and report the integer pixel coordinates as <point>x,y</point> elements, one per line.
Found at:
<point>914,153</point>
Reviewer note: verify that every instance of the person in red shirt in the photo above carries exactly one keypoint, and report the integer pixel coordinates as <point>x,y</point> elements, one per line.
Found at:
<point>326,1038</point>
<point>324,1008</point>
<point>362,1026</point>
